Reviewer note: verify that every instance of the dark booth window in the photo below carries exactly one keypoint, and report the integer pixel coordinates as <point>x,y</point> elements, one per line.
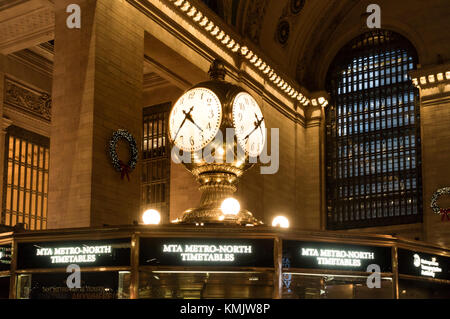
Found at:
<point>373,158</point>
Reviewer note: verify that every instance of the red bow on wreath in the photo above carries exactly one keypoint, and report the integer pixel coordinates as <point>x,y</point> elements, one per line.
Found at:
<point>125,170</point>
<point>445,213</point>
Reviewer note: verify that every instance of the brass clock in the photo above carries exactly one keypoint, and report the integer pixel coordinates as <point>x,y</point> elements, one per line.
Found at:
<point>195,121</point>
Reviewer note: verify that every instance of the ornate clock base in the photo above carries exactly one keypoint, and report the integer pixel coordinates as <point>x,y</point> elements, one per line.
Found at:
<point>216,187</point>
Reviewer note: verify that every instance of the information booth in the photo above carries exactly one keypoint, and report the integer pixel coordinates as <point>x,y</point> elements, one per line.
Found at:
<point>5,264</point>
<point>174,261</point>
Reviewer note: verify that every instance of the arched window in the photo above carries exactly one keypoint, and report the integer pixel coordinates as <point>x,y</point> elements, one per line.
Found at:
<point>373,156</point>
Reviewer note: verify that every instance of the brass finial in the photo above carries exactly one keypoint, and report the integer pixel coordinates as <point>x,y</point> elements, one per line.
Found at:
<point>217,70</point>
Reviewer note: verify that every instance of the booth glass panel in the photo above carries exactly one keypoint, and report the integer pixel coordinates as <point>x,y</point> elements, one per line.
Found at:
<point>205,285</point>
<point>304,286</point>
<point>418,289</point>
<point>93,285</point>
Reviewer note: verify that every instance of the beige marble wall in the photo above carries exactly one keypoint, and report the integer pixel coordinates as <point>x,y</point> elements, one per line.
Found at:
<point>97,90</point>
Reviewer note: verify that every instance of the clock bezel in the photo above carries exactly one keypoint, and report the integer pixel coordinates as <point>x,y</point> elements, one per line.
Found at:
<point>218,127</point>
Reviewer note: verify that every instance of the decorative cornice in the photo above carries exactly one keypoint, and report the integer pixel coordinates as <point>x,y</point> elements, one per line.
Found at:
<point>230,41</point>
<point>153,80</point>
<point>28,29</point>
<point>27,100</point>
<point>431,76</point>
<point>34,61</point>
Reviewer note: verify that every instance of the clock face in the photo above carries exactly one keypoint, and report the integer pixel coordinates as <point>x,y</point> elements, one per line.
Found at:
<point>195,119</point>
<point>249,124</point>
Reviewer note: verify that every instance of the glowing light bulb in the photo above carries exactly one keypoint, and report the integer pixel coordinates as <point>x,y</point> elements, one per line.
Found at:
<point>280,221</point>
<point>151,217</point>
<point>230,206</point>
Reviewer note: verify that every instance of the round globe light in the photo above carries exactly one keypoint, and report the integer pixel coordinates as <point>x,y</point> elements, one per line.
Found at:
<point>151,217</point>
<point>280,221</point>
<point>230,206</point>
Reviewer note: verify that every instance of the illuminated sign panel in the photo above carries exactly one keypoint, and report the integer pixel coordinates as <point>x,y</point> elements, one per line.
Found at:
<point>206,252</point>
<point>5,257</point>
<point>423,265</point>
<point>109,252</point>
<point>316,255</point>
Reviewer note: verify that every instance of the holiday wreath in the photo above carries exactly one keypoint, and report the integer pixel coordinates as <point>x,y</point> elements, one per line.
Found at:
<point>120,166</point>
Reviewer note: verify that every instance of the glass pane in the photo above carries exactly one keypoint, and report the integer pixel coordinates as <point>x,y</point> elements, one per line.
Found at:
<point>196,285</point>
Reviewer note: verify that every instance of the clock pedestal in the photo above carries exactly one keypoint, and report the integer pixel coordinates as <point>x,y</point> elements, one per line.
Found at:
<point>215,188</point>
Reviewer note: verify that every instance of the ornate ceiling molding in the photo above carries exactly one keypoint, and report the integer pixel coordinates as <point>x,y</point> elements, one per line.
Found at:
<point>232,42</point>
<point>27,100</point>
<point>26,28</point>
<point>434,84</point>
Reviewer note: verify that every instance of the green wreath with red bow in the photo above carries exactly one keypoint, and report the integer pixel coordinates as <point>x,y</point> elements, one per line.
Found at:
<point>445,212</point>
<point>124,168</point>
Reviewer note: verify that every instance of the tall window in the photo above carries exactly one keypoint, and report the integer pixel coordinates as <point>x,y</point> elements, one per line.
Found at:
<point>25,190</point>
<point>373,155</point>
<point>156,160</point>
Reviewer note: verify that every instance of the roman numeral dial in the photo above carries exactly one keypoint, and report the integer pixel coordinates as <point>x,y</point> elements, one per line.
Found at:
<point>195,119</point>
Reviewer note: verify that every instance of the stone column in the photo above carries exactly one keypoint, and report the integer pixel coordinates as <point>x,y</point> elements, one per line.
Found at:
<point>434,85</point>
<point>97,89</point>
<point>312,215</point>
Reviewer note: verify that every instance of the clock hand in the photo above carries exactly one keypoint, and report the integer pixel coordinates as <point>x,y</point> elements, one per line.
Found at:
<point>257,125</point>
<point>186,115</point>
<point>192,121</point>
<point>248,135</point>
<point>175,138</point>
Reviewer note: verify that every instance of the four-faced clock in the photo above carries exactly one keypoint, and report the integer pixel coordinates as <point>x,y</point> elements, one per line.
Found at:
<point>195,119</point>
<point>248,123</point>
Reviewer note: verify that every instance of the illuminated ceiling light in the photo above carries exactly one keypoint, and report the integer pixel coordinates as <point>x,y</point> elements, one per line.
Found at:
<point>415,82</point>
<point>151,217</point>
<point>281,83</point>
<point>321,100</point>
<point>294,96</point>
<point>244,50</point>
<point>272,76</point>
<point>253,59</point>
<point>314,102</point>
<point>262,66</point>
<point>431,78</point>
<point>179,3</point>
<point>325,104</point>
<point>215,31</point>
<point>258,63</point>
<point>231,44</point>
<point>447,75</point>
<point>226,40</point>
<point>204,21</point>
<point>249,54</point>
<point>267,69</point>
<point>209,26</point>
<point>236,47</point>
<point>198,16</point>
<point>220,35</point>
<point>277,80</point>
<point>306,102</point>
<point>185,6</point>
<point>230,206</point>
<point>192,12</point>
<point>221,217</point>
<point>440,76</point>
<point>280,221</point>
<point>423,80</point>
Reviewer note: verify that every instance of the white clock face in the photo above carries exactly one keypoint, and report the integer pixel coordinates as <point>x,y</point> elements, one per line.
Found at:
<point>195,119</point>
<point>249,124</point>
